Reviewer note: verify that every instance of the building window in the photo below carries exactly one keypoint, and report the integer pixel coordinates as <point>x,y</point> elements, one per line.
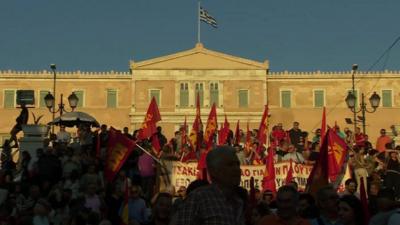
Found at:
<point>42,102</point>
<point>112,98</point>
<point>81,96</point>
<point>156,94</point>
<point>286,99</point>
<point>214,94</point>
<point>319,98</point>
<point>199,90</point>
<point>184,95</point>
<point>9,99</point>
<point>243,98</point>
<point>387,100</point>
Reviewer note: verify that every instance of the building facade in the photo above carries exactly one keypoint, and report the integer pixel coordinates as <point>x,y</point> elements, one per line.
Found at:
<point>239,87</point>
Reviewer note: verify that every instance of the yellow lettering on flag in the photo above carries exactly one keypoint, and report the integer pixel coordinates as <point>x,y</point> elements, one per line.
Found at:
<point>336,150</point>
<point>117,154</point>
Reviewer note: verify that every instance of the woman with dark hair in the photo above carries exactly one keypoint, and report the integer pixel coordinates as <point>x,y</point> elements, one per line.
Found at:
<point>350,211</point>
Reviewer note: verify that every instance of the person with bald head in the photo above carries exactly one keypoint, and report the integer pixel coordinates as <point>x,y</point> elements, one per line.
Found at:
<point>220,202</point>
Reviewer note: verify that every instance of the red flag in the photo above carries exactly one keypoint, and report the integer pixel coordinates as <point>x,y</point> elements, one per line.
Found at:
<point>337,151</point>
<point>364,201</point>
<point>208,138</point>
<point>220,134</point>
<point>263,130</point>
<point>269,174</point>
<point>223,132</point>
<point>331,162</point>
<point>149,123</point>
<point>119,148</point>
<point>201,164</point>
<point>319,176</point>
<point>237,133</point>
<point>323,125</point>
<point>204,174</point>
<point>124,214</point>
<point>155,143</point>
<point>289,176</point>
<point>193,137</point>
<point>211,127</point>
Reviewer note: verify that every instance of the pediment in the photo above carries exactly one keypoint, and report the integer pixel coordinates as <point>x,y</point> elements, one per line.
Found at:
<point>199,58</point>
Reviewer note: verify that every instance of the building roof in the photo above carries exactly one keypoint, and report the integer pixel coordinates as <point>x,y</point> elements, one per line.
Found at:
<point>199,57</point>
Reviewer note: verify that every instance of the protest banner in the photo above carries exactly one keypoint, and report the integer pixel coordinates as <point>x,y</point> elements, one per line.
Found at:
<point>183,174</point>
<point>301,172</point>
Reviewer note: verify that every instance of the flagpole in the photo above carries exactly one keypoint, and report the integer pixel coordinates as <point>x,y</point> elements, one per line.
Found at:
<point>198,23</point>
<point>148,153</point>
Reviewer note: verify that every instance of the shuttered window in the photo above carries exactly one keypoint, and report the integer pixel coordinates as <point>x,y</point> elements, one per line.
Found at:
<point>184,95</point>
<point>111,98</point>
<point>243,98</point>
<point>319,97</point>
<point>286,99</point>
<point>156,94</point>
<point>9,99</point>
<point>199,90</point>
<point>387,100</point>
<point>214,94</point>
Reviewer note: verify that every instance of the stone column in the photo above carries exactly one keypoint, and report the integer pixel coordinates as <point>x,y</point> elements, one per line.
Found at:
<point>33,138</point>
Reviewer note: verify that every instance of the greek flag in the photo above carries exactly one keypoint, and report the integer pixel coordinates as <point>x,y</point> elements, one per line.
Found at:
<point>207,18</point>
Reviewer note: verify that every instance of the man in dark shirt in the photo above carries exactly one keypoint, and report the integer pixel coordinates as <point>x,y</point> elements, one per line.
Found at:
<point>218,203</point>
<point>295,135</point>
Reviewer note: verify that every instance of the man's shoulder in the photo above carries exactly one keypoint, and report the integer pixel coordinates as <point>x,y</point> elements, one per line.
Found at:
<point>204,190</point>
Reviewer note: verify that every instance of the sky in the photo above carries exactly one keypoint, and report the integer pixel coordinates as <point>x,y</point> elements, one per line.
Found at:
<point>294,35</point>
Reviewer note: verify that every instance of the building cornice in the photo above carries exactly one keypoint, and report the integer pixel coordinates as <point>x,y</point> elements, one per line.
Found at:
<point>44,74</point>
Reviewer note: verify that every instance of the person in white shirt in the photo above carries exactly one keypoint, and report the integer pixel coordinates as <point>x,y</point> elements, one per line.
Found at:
<point>63,136</point>
<point>293,155</point>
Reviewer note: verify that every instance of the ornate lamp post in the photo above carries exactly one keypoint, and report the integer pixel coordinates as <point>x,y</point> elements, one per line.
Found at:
<point>354,69</point>
<point>50,100</point>
<point>351,103</point>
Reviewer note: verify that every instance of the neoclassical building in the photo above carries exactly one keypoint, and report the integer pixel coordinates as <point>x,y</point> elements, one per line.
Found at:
<point>239,87</point>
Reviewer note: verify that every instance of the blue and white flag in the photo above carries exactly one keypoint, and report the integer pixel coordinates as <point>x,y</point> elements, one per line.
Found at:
<point>207,18</point>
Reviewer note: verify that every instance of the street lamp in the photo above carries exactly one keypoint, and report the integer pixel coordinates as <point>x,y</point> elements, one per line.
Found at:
<point>72,100</point>
<point>49,99</point>
<point>354,69</point>
<point>373,100</point>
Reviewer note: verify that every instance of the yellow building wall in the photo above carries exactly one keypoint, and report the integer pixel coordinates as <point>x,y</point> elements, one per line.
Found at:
<point>231,73</point>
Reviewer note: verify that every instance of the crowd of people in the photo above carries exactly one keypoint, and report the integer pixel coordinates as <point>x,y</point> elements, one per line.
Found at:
<point>64,182</point>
